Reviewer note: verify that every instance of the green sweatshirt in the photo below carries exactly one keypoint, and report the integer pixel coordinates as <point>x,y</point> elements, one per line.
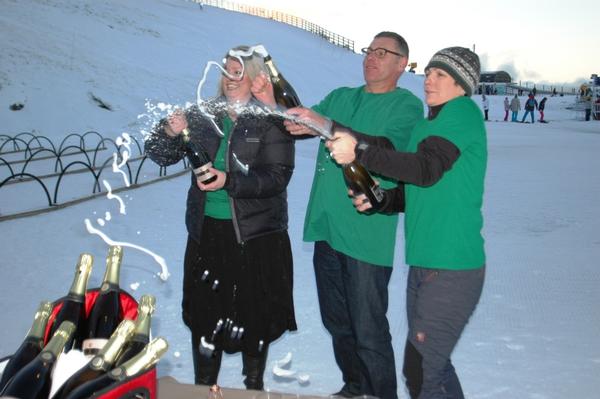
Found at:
<point>443,222</point>
<point>330,215</point>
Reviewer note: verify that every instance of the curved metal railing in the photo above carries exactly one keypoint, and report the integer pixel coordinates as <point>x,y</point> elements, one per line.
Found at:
<point>28,161</point>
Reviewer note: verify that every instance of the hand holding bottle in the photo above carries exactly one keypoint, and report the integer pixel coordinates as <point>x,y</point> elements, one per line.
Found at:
<point>215,184</point>
<point>262,90</point>
<point>342,147</point>
<point>360,201</point>
<point>176,122</point>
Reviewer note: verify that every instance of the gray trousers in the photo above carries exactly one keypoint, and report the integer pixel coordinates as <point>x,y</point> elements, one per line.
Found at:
<point>438,304</point>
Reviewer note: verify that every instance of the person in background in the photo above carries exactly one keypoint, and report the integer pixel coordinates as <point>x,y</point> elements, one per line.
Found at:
<point>506,108</point>
<point>530,106</point>
<point>441,182</point>
<point>541,107</point>
<point>353,252</point>
<point>486,105</point>
<point>588,107</point>
<point>515,107</point>
<point>237,283</point>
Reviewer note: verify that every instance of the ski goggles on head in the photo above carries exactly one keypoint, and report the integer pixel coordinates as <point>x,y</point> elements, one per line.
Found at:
<point>258,49</point>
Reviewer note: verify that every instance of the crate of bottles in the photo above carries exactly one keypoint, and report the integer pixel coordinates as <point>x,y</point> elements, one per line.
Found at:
<point>104,332</point>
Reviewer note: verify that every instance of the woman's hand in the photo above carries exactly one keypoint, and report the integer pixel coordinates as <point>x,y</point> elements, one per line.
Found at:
<point>176,122</point>
<point>342,147</point>
<point>262,90</point>
<point>215,185</point>
<point>360,201</point>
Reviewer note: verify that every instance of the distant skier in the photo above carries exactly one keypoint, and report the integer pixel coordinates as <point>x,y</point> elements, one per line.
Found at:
<point>506,108</point>
<point>530,106</point>
<point>541,107</point>
<point>515,107</point>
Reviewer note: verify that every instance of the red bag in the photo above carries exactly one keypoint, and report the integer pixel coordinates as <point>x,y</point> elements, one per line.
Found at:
<point>139,386</point>
<point>128,308</point>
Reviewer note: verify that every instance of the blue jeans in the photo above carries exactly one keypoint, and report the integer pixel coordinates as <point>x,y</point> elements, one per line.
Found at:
<point>525,116</point>
<point>353,299</point>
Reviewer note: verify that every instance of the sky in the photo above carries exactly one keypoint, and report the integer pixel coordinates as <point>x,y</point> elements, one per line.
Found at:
<point>551,41</point>
<point>534,333</point>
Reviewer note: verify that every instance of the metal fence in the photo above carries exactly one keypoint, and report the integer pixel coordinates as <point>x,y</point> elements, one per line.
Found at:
<point>331,37</point>
<point>37,175</point>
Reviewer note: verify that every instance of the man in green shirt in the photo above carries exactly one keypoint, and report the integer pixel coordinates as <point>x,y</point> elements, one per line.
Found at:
<point>354,252</point>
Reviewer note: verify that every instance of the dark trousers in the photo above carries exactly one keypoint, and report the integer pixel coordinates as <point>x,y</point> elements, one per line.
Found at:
<point>353,299</point>
<point>438,304</point>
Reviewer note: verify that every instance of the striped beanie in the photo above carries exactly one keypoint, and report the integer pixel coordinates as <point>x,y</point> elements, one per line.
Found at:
<point>461,63</point>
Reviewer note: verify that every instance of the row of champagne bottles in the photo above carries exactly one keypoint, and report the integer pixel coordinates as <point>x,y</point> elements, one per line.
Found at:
<point>355,174</point>
<point>118,345</point>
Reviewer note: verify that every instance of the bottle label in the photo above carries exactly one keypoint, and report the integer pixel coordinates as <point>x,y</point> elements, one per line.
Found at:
<point>203,173</point>
<point>92,346</point>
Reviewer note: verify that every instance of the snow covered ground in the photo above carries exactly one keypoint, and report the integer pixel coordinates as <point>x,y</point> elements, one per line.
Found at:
<point>535,332</point>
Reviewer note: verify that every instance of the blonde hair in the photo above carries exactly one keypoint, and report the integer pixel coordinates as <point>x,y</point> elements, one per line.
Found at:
<point>253,65</point>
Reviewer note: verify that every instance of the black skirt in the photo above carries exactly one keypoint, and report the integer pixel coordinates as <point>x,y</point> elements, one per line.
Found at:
<point>238,297</point>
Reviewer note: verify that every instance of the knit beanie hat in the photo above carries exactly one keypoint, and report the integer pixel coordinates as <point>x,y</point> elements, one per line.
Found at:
<point>461,63</point>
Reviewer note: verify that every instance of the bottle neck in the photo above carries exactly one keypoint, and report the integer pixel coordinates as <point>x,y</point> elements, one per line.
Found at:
<point>82,273</point>
<point>185,134</point>
<point>40,320</point>
<point>113,267</point>
<point>142,361</point>
<point>272,69</point>
<point>142,325</point>
<point>60,338</point>
<point>109,352</point>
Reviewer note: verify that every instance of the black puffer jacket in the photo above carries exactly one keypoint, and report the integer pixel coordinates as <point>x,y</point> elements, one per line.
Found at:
<point>260,162</point>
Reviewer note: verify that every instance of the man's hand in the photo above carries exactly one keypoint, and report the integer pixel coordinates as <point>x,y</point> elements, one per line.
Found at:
<point>308,116</point>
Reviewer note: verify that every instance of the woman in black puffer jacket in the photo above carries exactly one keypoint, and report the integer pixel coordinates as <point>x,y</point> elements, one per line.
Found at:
<point>237,285</point>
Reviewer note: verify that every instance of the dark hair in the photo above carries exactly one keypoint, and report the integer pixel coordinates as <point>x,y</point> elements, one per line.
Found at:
<point>400,42</point>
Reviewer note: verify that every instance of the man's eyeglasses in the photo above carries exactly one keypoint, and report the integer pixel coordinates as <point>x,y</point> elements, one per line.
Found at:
<point>379,52</point>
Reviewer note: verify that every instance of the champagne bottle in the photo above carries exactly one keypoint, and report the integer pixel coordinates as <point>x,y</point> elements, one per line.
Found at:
<point>198,158</point>
<point>106,312</point>
<point>141,335</point>
<point>285,95</point>
<point>100,363</point>
<point>360,181</point>
<point>31,346</point>
<point>73,305</point>
<point>141,362</point>
<point>34,380</point>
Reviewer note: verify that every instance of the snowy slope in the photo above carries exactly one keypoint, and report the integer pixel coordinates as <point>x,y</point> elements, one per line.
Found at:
<point>534,332</point>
